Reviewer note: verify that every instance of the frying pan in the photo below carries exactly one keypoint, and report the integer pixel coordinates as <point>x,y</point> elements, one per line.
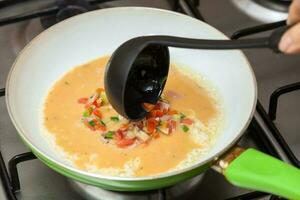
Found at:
<point>88,36</point>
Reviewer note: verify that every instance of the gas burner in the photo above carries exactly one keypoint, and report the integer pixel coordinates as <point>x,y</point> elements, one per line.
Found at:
<point>27,30</point>
<point>67,8</point>
<point>179,191</point>
<point>264,10</point>
<point>277,5</point>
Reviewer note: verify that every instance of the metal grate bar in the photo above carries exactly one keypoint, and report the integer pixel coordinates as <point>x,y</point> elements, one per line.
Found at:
<point>5,180</point>
<point>275,132</point>
<point>27,16</point>
<point>277,93</point>
<point>6,3</point>
<point>13,171</point>
<point>2,92</point>
<point>263,141</point>
<point>39,13</point>
<point>190,8</point>
<point>249,196</point>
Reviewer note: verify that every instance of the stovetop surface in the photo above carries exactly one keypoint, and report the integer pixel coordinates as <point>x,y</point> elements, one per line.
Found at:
<point>272,71</point>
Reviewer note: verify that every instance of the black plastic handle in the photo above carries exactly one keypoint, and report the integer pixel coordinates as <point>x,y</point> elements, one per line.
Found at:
<point>270,42</point>
<point>275,38</point>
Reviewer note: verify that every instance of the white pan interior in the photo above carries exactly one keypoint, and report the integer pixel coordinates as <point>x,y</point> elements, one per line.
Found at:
<point>91,35</point>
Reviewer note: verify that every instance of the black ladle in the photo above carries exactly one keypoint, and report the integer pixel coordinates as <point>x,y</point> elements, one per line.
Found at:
<point>137,71</point>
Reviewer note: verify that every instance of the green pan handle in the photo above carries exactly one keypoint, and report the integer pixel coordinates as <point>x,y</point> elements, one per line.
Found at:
<point>255,170</point>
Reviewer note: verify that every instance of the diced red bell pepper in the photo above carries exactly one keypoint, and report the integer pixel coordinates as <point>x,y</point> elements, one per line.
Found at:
<point>155,113</point>
<point>118,135</point>
<point>125,142</point>
<point>151,125</point>
<point>187,121</point>
<point>100,127</point>
<point>95,103</point>
<point>97,113</point>
<point>157,106</point>
<point>83,100</point>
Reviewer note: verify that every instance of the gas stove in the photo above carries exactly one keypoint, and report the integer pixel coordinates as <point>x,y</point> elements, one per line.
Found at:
<point>264,10</point>
<point>272,130</point>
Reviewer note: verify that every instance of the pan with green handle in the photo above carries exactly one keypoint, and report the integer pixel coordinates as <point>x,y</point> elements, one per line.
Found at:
<point>85,37</point>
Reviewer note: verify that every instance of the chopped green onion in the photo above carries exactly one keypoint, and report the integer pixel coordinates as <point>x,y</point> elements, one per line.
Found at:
<point>102,122</point>
<point>109,135</point>
<point>185,128</point>
<point>86,114</point>
<point>92,123</point>
<point>182,116</point>
<point>115,118</point>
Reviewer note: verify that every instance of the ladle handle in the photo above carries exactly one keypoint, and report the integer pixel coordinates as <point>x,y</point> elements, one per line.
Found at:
<point>275,38</point>
<point>267,42</point>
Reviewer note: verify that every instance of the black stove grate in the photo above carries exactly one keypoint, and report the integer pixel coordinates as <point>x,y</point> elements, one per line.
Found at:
<point>11,180</point>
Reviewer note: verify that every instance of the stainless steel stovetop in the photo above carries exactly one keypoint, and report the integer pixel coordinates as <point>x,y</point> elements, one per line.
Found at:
<point>38,182</point>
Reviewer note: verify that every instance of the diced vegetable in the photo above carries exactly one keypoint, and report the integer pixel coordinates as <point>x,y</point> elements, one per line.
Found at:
<point>148,106</point>
<point>151,125</point>
<point>115,118</point>
<point>141,135</point>
<point>86,114</point>
<point>164,106</point>
<point>92,123</point>
<point>102,123</point>
<point>185,128</point>
<point>140,125</point>
<point>96,104</point>
<point>97,113</point>
<point>118,135</point>
<point>187,121</point>
<point>164,130</point>
<point>155,134</point>
<point>87,124</point>
<point>161,119</point>
<point>93,98</point>
<point>124,127</point>
<point>172,112</point>
<point>83,100</point>
<point>131,134</point>
<point>109,135</point>
<point>156,113</point>
<point>104,98</point>
<point>171,126</point>
<point>125,142</point>
<point>100,127</point>
<point>182,116</point>
<point>99,90</point>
